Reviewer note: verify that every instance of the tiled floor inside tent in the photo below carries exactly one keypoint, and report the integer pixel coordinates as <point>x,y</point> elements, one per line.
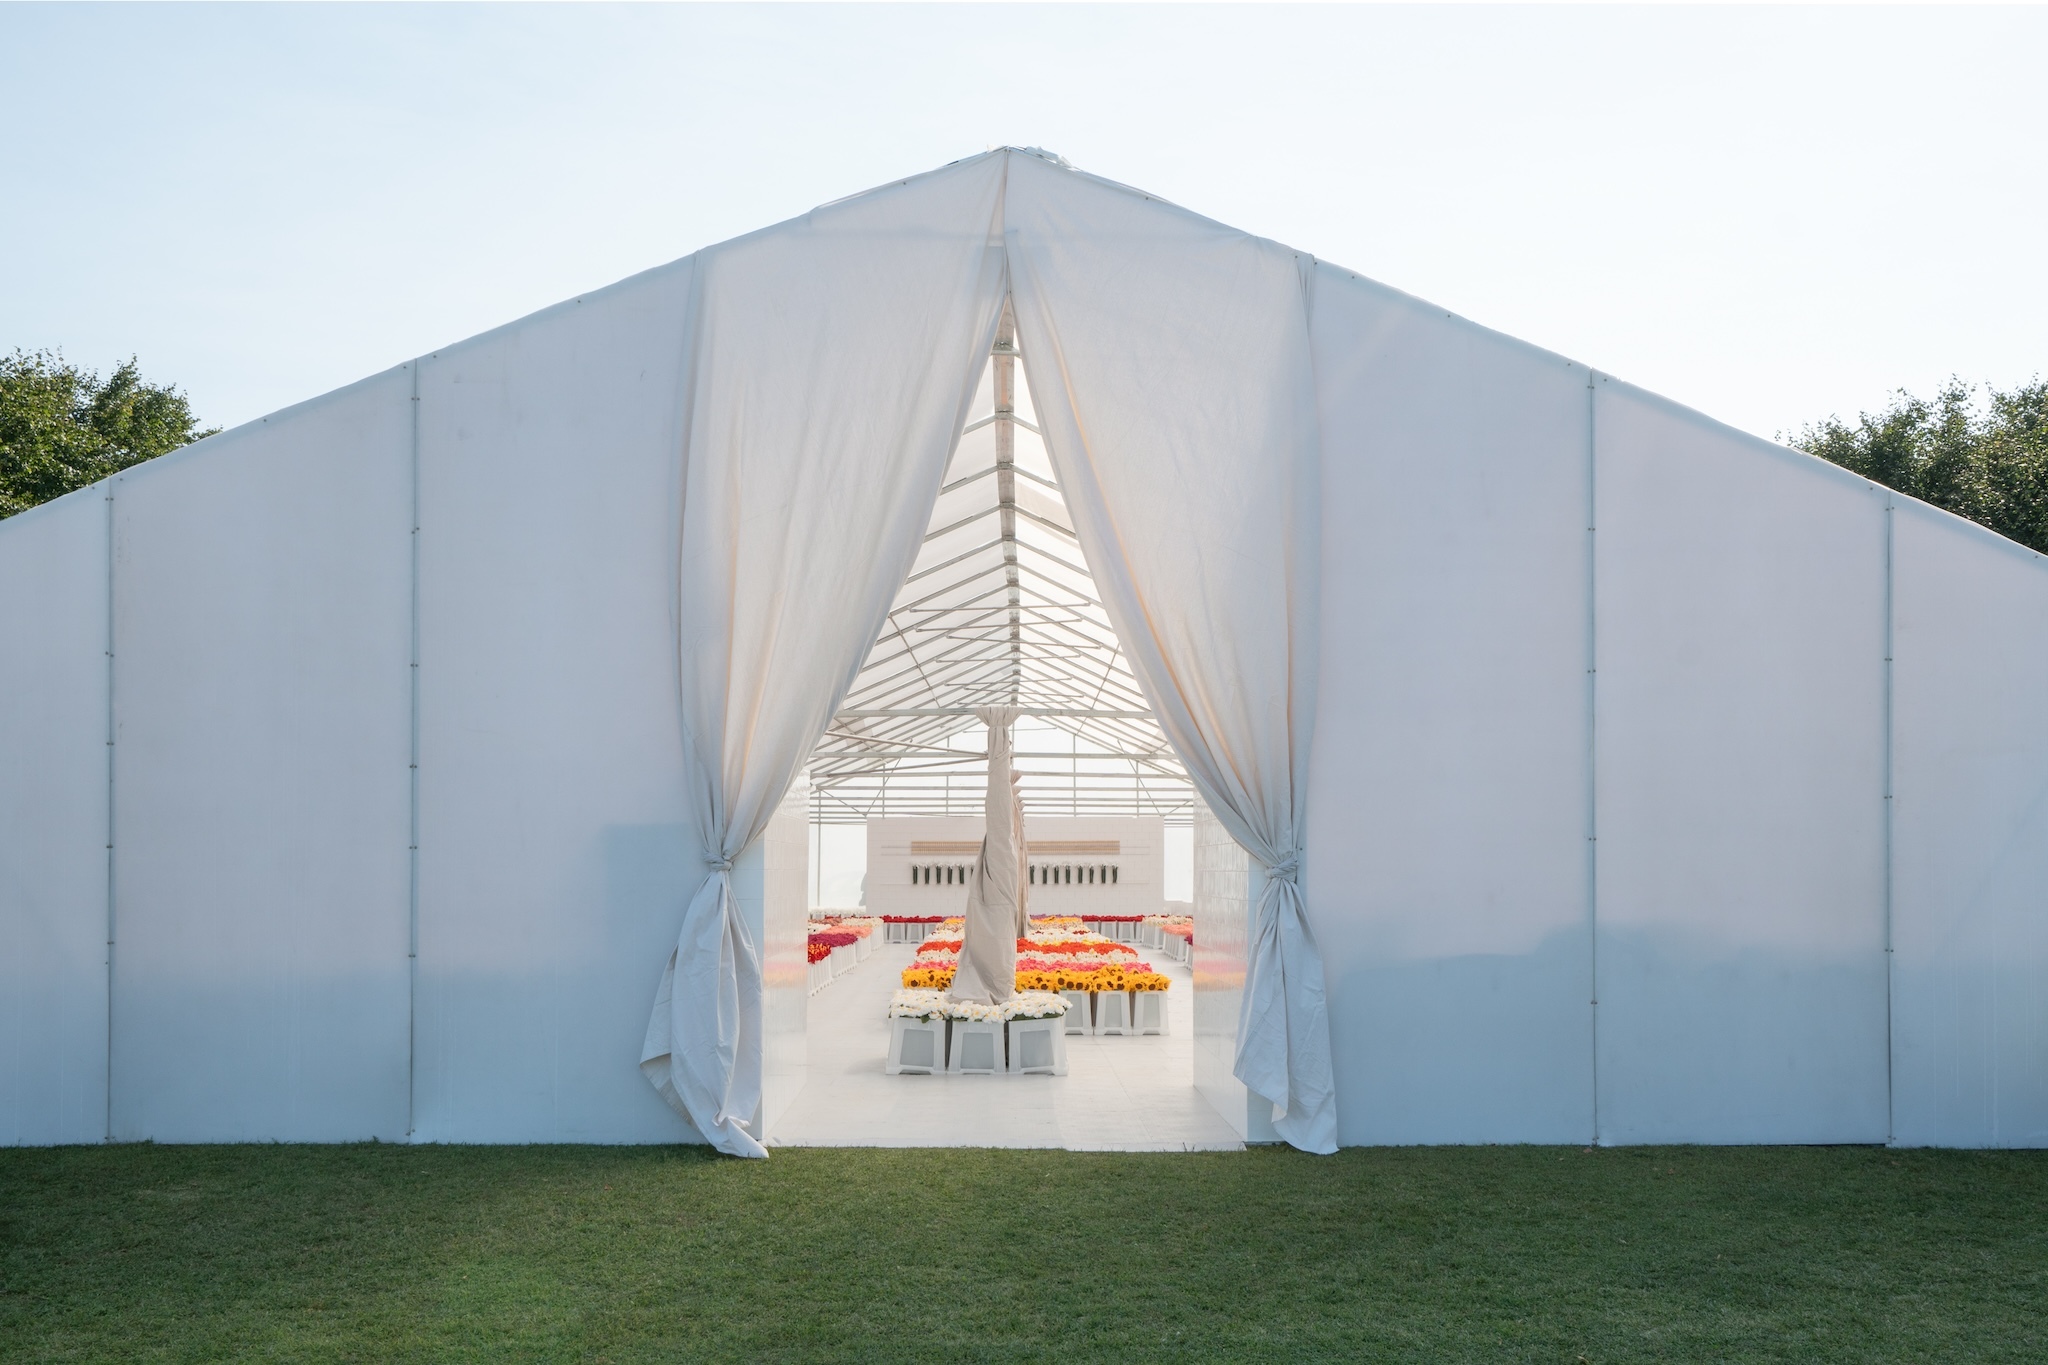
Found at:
<point>1119,1094</point>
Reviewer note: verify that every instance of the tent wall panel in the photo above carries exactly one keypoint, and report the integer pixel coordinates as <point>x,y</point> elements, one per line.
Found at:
<point>262,591</point>
<point>555,850</point>
<point>1447,868</point>
<point>53,822</point>
<point>1740,781</point>
<point>1969,835</point>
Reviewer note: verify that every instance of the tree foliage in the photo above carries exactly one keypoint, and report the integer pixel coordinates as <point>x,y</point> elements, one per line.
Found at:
<point>62,427</point>
<point>1987,463</point>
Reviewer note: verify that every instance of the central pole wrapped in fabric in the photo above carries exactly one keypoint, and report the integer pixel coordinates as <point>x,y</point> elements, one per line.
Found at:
<point>997,915</point>
<point>831,363</point>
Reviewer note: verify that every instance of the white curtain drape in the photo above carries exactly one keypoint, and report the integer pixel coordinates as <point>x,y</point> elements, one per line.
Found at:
<point>831,363</point>
<point>996,912</point>
<point>1169,361</point>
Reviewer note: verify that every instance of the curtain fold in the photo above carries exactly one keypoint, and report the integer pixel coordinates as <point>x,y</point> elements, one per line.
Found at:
<point>831,363</point>
<point>1169,361</point>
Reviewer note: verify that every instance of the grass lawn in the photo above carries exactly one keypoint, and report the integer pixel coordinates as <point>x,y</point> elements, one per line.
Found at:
<point>617,1254</point>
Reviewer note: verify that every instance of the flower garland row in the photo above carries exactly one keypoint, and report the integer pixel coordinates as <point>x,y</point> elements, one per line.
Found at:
<point>1046,961</point>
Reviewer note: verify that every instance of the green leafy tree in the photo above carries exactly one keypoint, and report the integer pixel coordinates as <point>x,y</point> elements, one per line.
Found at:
<point>1989,464</point>
<point>62,427</point>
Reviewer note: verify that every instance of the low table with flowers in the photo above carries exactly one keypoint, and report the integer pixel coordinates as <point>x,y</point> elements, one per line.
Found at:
<point>1103,987</point>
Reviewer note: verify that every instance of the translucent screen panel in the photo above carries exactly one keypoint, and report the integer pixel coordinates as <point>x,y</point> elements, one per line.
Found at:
<point>554,855</point>
<point>53,822</point>
<point>1446,865</point>
<point>1740,783</point>
<point>262,596</point>
<point>1969,835</point>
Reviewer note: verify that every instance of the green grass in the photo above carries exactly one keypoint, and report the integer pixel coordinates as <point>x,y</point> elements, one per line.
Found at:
<point>617,1254</point>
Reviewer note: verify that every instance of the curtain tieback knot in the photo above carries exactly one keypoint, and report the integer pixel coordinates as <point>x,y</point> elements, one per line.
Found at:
<point>717,864</point>
<point>1284,869</point>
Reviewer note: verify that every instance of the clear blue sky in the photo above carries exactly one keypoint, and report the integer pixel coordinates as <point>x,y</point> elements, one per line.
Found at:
<point>1769,214</point>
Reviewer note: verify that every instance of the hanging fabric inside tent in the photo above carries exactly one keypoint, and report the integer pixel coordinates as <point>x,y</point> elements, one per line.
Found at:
<point>997,912</point>
<point>1169,357</point>
<point>831,363</point>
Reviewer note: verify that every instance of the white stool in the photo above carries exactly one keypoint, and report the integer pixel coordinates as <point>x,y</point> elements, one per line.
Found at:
<point>916,1047</point>
<point>977,1048</point>
<point>819,975</point>
<point>1148,1012</point>
<point>1077,1019</point>
<point>862,947</point>
<point>1112,1014</point>
<point>1038,1046</point>
<point>843,959</point>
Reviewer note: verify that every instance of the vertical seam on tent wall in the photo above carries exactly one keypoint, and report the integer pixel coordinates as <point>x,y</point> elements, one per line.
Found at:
<point>1890,803</point>
<point>108,1134</point>
<point>1592,745</point>
<point>412,894</point>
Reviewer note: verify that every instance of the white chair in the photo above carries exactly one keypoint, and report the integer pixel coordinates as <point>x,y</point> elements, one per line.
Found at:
<point>1148,1012</point>
<point>977,1048</point>
<point>1113,1014</point>
<point>1078,1017</point>
<point>916,1047</point>
<point>1038,1047</point>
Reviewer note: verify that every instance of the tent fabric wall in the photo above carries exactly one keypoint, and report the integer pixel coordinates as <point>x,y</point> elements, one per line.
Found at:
<point>1969,835</point>
<point>1448,809</point>
<point>262,716</point>
<point>555,841</point>
<point>53,822</point>
<point>1739,785</point>
<point>1694,835</point>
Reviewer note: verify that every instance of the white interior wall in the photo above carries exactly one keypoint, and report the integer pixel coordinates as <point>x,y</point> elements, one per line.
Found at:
<point>53,822</point>
<point>1970,835</point>
<point>262,593</point>
<point>1739,785</point>
<point>556,853</point>
<point>1446,865</point>
<point>1225,886</point>
<point>1138,890</point>
<point>783,915</point>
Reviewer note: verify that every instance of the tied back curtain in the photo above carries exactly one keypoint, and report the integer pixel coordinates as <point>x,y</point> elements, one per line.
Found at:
<point>831,363</point>
<point>1169,361</point>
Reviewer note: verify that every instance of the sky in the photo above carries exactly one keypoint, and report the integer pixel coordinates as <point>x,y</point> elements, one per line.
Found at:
<point>1772,215</point>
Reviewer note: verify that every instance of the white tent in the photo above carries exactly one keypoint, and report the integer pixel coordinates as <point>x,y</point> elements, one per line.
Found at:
<point>1647,781</point>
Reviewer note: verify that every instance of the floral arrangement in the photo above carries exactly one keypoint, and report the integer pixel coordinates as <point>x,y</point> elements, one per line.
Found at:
<point>932,1004</point>
<point>835,938</point>
<point>860,926</point>
<point>917,1004</point>
<point>816,952</point>
<point>1148,981</point>
<point>1057,921</point>
<point>911,919</point>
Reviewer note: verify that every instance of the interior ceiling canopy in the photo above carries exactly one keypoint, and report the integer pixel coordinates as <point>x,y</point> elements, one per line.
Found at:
<point>999,609</point>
